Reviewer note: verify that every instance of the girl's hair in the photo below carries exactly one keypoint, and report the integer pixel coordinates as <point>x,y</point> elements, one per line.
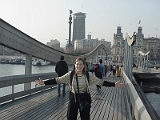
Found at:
<point>84,63</point>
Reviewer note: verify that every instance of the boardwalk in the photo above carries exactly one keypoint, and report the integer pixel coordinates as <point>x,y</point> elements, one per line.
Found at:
<point>107,104</point>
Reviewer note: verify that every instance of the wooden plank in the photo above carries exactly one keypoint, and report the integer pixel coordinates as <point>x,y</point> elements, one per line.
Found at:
<point>96,103</point>
<point>108,114</point>
<point>111,111</point>
<point>100,112</point>
<point>115,104</point>
<point>108,107</point>
<point>61,110</point>
<point>106,103</point>
<point>35,102</point>
<point>98,107</point>
<point>119,102</point>
<point>124,111</point>
<point>46,108</point>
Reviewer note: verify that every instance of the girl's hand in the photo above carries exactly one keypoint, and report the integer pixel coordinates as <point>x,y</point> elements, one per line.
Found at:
<point>39,82</point>
<point>119,84</point>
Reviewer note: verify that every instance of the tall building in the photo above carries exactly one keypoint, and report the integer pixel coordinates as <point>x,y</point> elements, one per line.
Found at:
<point>78,26</point>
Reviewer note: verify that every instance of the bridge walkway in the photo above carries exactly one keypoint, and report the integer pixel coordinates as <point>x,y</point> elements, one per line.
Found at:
<point>107,104</point>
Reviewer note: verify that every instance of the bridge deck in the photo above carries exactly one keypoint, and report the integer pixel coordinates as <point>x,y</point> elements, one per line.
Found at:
<point>107,104</point>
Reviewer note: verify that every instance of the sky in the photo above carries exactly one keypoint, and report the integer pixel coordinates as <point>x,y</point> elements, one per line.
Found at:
<point>45,20</point>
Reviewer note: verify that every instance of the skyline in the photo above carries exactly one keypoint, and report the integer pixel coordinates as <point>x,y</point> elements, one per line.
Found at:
<point>46,20</point>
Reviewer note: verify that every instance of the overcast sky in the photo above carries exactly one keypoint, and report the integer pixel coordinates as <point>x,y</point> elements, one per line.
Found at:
<point>48,19</point>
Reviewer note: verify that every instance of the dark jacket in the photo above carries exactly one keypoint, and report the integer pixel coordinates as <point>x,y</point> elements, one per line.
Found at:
<point>61,68</point>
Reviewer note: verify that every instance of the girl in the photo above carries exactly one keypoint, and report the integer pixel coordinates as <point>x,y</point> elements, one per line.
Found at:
<point>79,92</point>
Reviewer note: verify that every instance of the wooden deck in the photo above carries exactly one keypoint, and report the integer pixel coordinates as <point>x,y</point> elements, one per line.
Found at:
<point>107,104</point>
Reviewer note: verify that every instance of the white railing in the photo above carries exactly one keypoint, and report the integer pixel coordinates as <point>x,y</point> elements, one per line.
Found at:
<point>134,103</point>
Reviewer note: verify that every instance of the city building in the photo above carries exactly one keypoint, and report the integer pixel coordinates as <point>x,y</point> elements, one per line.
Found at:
<point>54,44</point>
<point>89,44</point>
<point>150,44</point>
<point>78,26</point>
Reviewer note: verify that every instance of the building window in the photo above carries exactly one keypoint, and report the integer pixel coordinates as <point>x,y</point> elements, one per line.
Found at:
<point>118,43</point>
<point>118,50</point>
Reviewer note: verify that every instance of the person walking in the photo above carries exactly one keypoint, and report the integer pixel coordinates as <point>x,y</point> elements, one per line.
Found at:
<point>114,70</point>
<point>79,96</point>
<point>109,70</point>
<point>106,70</point>
<point>99,73</point>
<point>61,69</point>
<point>118,71</point>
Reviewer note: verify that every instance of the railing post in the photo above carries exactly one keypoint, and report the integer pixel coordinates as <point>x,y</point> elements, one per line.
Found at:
<point>12,91</point>
<point>129,54</point>
<point>28,70</point>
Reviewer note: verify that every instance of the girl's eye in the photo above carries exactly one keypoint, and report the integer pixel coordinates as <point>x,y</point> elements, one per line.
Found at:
<point>79,64</point>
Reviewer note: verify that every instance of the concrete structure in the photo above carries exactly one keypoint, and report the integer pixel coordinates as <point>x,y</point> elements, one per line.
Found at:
<point>78,26</point>
<point>15,39</point>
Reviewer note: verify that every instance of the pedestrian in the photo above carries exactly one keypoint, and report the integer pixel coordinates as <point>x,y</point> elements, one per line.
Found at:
<point>61,69</point>
<point>99,71</point>
<point>86,63</point>
<point>106,70</point>
<point>118,71</point>
<point>79,97</point>
<point>91,67</point>
<point>109,70</point>
<point>114,70</point>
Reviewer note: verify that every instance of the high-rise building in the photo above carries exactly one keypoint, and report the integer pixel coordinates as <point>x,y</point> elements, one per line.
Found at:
<point>78,26</point>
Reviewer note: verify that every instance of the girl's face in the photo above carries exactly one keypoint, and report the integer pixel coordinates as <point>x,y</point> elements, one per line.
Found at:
<point>79,66</point>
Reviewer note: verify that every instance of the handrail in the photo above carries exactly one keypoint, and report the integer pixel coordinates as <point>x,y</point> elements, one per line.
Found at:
<point>21,79</point>
<point>137,108</point>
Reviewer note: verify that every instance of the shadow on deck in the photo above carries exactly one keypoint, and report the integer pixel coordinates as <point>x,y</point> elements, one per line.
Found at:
<point>107,104</point>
